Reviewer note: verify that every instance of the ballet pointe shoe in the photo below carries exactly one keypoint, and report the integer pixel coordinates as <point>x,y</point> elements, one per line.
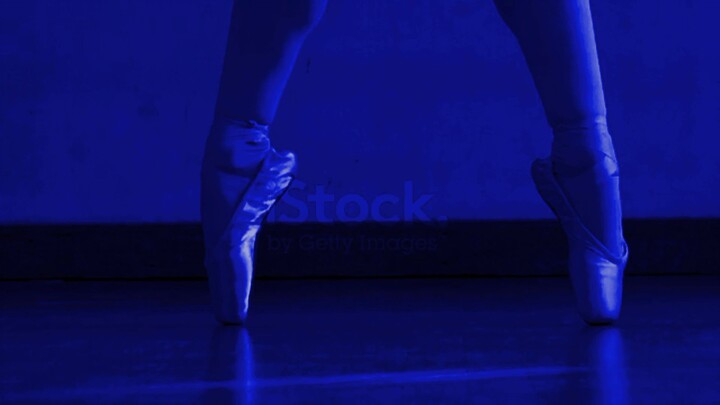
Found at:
<point>230,262</point>
<point>596,273</point>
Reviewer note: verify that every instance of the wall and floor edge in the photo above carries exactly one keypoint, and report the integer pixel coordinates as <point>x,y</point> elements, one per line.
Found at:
<point>452,249</point>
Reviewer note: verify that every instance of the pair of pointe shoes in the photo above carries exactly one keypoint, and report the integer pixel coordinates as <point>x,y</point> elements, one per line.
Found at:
<point>596,273</point>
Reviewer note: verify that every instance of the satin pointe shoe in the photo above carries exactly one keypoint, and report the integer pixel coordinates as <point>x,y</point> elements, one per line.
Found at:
<point>595,272</point>
<point>230,261</point>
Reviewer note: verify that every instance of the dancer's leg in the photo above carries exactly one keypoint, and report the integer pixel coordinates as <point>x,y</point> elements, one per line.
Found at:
<point>580,180</point>
<point>557,39</point>
<point>242,175</point>
<point>264,41</point>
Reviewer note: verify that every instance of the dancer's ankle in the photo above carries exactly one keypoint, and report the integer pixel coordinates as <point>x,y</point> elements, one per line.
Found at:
<point>237,145</point>
<point>579,148</point>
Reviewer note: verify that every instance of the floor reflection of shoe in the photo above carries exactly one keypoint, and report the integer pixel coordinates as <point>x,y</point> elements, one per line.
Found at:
<point>230,262</point>
<point>596,274</point>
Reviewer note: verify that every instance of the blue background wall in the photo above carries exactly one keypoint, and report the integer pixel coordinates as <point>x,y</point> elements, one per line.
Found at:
<point>104,107</point>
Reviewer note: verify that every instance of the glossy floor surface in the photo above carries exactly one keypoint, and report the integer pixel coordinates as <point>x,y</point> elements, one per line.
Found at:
<point>359,341</point>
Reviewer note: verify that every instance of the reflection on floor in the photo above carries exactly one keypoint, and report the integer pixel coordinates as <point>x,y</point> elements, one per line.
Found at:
<point>358,341</point>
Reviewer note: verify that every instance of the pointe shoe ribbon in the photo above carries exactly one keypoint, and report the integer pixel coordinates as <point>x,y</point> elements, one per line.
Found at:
<point>230,262</point>
<point>595,272</point>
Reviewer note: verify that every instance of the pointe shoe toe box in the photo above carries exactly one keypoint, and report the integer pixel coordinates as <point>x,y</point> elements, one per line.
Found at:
<point>598,285</point>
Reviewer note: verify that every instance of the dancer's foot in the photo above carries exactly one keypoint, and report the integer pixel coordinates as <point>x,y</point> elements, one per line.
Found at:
<point>585,166</point>
<point>596,271</point>
<point>243,177</point>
